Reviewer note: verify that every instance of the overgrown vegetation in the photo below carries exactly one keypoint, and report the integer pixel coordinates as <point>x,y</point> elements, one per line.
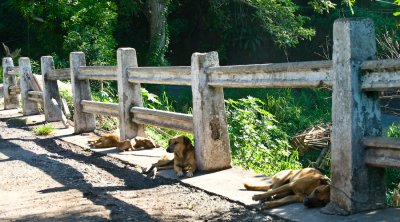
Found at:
<point>43,130</point>
<point>256,141</point>
<point>392,174</point>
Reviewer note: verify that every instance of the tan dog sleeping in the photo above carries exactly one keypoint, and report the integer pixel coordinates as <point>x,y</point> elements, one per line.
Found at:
<point>183,159</point>
<point>112,140</point>
<point>106,141</point>
<point>308,186</point>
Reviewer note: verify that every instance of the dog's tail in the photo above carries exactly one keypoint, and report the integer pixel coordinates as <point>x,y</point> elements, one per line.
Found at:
<point>257,187</point>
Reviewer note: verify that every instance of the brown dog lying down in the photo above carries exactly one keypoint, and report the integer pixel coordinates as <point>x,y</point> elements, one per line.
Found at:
<point>183,160</point>
<point>137,143</point>
<point>106,141</point>
<point>306,186</point>
<point>112,140</point>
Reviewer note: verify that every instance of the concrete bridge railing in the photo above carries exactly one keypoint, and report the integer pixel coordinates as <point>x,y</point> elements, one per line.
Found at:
<point>359,153</point>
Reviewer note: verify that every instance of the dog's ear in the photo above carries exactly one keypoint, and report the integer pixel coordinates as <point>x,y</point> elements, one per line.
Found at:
<point>325,180</point>
<point>187,141</point>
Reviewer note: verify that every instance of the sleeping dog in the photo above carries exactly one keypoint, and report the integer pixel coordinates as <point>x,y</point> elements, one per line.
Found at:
<point>308,186</point>
<point>112,140</point>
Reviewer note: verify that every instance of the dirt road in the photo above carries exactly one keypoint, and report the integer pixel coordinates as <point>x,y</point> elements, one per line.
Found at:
<point>43,179</point>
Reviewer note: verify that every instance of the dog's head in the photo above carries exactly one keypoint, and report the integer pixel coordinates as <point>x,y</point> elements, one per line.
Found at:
<point>319,197</point>
<point>178,144</point>
<point>124,146</point>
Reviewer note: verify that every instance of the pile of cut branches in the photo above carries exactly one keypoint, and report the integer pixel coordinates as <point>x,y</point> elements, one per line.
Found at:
<point>318,138</point>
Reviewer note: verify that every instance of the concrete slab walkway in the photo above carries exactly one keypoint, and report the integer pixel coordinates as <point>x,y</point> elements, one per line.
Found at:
<point>226,183</point>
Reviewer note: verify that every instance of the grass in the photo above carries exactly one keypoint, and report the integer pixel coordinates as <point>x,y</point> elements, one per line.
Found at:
<point>43,130</point>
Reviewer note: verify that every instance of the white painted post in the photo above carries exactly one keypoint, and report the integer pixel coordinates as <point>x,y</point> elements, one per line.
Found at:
<point>355,114</point>
<point>52,111</point>
<point>129,95</point>
<point>83,122</point>
<point>11,101</point>
<point>209,118</point>
<point>28,107</point>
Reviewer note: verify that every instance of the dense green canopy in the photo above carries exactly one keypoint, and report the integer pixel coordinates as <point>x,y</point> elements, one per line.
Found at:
<point>168,31</point>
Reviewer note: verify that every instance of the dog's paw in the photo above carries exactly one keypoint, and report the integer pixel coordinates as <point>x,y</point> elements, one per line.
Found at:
<point>189,174</point>
<point>259,197</point>
<point>267,205</point>
<point>179,173</point>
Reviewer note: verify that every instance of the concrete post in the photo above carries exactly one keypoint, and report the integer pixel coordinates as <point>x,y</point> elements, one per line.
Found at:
<point>52,111</point>
<point>28,107</point>
<point>209,118</point>
<point>11,101</point>
<point>129,95</point>
<point>355,115</point>
<point>83,122</point>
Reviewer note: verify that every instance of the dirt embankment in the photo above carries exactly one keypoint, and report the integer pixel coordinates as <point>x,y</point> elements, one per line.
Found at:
<point>49,180</point>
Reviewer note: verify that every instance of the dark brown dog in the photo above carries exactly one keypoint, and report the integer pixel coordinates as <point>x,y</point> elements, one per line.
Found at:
<point>306,186</point>
<point>184,155</point>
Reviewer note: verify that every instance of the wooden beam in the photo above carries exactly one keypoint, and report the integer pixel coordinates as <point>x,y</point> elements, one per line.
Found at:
<point>279,75</point>
<point>163,119</point>
<point>173,75</point>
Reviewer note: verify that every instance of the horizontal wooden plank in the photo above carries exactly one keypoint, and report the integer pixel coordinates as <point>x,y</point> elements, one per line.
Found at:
<point>163,119</point>
<point>100,108</point>
<point>279,75</point>
<point>59,74</point>
<point>382,143</point>
<point>381,81</point>
<point>172,75</point>
<point>381,65</point>
<point>381,75</point>
<point>97,73</point>
<point>35,98</point>
<point>12,73</point>
<point>382,151</point>
<point>35,93</point>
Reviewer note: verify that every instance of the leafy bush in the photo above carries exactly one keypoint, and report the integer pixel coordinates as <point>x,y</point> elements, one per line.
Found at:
<point>294,109</point>
<point>256,140</point>
<point>43,130</point>
<point>392,174</point>
<point>393,131</point>
<point>1,74</point>
<point>107,123</point>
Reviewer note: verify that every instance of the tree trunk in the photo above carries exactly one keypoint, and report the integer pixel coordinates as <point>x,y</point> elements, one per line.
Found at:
<point>158,31</point>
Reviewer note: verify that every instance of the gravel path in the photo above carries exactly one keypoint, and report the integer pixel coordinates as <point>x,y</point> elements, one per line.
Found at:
<point>43,179</point>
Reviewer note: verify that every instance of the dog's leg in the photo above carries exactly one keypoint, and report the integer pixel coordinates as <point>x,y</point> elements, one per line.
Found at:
<point>282,195</point>
<point>257,187</point>
<point>265,196</point>
<point>283,201</point>
<point>178,170</point>
<point>190,165</point>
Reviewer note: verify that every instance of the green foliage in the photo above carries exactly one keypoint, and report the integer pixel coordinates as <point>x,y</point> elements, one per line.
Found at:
<point>76,25</point>
<point>43,130</point>
<point>90,29</point>
<point>393,131</point>
<point>294,109</point>
<point>107,123</point>
<point>1,74</point>
<point>256,140</point>
<point>393,175</point>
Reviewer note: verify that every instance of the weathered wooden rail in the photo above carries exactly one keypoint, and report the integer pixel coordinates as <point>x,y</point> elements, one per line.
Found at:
<point>359,153</point>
